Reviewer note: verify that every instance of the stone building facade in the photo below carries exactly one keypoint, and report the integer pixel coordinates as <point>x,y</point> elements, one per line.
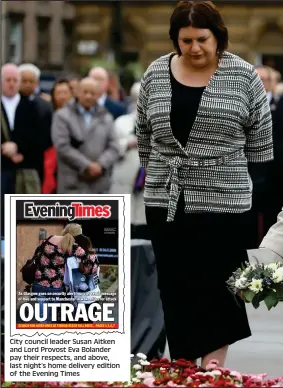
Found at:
<point>70,35</point>
<point>40,32</point>
<point>256,29</point>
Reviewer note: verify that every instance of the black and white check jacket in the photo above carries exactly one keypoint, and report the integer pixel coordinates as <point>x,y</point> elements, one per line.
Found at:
<point>233,127</point>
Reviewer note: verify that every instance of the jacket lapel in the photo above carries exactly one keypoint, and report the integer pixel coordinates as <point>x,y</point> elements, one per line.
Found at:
<point>96,119</point>
<point>3,112</point>
<point>5,126</point>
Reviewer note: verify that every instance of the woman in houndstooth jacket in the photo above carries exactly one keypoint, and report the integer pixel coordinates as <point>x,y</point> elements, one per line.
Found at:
<point>202,116</point>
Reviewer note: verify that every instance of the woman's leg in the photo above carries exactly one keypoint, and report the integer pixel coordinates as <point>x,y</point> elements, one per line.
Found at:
<point>219,354</point>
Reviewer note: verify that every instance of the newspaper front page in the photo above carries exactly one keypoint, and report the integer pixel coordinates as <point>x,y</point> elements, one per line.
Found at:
<point>67,288</point>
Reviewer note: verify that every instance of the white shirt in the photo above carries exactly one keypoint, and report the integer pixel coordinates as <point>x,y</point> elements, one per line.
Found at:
<point>124,127</point>
<point>269,96</point>
<point>87,115</point>
<point>10,105</point>
<point>102,99</point>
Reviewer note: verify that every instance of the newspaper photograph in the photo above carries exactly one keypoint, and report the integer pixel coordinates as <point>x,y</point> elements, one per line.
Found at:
<point>65,283</point>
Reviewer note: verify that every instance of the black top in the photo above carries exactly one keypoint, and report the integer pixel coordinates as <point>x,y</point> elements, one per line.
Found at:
<point>184,107</point>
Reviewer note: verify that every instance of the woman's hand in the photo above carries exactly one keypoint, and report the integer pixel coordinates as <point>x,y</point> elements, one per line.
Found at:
<point>240,294</point>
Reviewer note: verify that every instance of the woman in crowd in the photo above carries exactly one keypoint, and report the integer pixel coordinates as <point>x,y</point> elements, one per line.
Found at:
<point>61,93</point>
<point>52,254</point>
<point>202,116</point>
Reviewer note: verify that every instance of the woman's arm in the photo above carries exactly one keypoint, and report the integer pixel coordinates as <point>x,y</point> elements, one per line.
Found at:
<point>259,143</point>
<point>143,128</point>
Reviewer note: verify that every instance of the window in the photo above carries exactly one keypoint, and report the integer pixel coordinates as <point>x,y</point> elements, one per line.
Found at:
<point>15,45</point>
<point>43,40</point>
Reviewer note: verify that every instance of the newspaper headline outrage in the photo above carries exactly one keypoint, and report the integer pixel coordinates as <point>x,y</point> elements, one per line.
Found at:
<point>67,264</point>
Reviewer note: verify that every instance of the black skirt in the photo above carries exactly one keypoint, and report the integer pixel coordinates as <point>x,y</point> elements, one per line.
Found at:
<point>195,254</point>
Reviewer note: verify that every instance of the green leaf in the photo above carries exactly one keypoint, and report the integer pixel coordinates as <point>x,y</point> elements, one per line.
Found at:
<point>7,384</point>
<point>256,302</point>
<point>249,295</point>
<point>279,290</point>
<point>271,300</point>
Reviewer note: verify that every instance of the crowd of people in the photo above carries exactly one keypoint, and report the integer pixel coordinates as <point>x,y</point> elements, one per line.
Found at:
<point>81,139</point>
<point>73,140</point>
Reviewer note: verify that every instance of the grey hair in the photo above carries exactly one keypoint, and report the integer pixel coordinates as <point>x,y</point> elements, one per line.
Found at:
<point>30,67</point>
<point>135,90</point>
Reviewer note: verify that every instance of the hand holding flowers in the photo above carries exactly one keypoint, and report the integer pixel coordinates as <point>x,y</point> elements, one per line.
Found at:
<point>257,283</point>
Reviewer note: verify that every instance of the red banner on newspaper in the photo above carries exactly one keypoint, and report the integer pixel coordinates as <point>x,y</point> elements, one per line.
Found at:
<point>67,326</point>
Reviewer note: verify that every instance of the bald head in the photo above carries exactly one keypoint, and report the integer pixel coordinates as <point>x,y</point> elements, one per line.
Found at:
<point>88,81</point>
<point>88,92</point>
<point>100,75</point>
<point>10,78</point>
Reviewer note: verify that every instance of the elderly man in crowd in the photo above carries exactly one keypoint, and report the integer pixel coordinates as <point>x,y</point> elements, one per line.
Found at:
<point>30,75</point>
<point>102,77</point>
<point>86,144</point>
<point>21,141</point>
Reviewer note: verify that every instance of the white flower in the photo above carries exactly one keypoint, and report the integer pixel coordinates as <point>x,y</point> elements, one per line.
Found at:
<point>237,375</point>
<point>215,372</point>
<point>241,283</point>
<point>132,355</point>
<point>272,266</point>
<point>142,356</point>
<point>256,286</point>
<point>144,375</point>
<point>209,374</point>
<point>137,367</point>
<point>135,380</point>
<point>278,275</point>
<point>144,362</point>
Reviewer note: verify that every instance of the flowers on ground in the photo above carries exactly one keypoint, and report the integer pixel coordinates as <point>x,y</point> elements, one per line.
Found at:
<point>257,283</point>
<point>164,373</point>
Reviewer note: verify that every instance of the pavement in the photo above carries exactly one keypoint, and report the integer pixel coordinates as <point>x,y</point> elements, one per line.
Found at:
<point>263,351</point>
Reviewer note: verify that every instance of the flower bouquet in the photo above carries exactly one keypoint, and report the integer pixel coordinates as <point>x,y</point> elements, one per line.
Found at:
<point>257,283</point>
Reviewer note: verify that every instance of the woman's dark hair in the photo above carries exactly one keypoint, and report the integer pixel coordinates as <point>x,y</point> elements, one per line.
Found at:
<point>198,14</point>
<point>85,243</point>
<point>59,81</point>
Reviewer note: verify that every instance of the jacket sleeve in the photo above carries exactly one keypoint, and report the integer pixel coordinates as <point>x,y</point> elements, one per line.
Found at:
<point>62,142</point>
<point>273,240</point>
<point>143,128</point>
<point>111,154</point>
<point>259,143</point>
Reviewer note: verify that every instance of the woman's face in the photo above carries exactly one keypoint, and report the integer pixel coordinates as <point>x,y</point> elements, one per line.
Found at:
<point>62,94</point>
<point>198,46</point>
